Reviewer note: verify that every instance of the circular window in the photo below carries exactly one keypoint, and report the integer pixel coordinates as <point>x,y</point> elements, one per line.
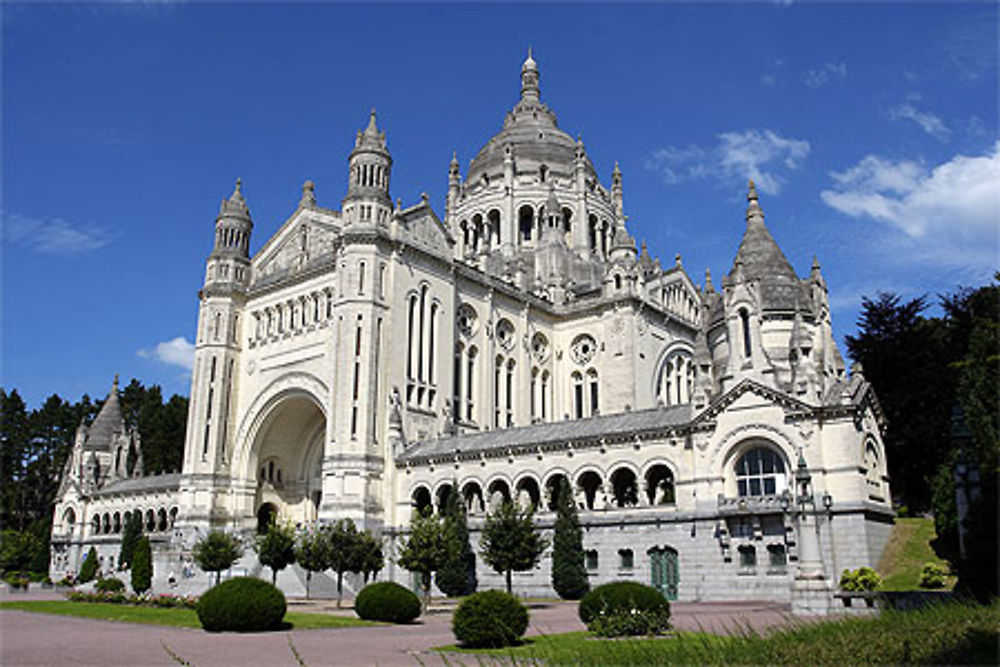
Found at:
<point>466,320</point>
<point>583,349</point>
<point>540,347</point>
<point>505,333</point>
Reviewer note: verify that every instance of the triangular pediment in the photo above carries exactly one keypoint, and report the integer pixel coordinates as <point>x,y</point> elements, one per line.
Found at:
<point>766,395</point>
<point>304,237</point>
<point>420,226</point>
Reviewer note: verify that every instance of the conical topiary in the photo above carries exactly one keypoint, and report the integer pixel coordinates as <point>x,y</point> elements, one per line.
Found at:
<point>142,566</point>
<point>89,567</point>
<point>569,573</point>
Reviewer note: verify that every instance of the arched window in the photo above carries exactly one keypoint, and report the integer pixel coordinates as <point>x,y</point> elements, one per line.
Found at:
<point>577,395</point>
<point>510,393</point>
<point>745,325</point>
<point>526,222</point>
<point>595,401</point>
<point>470,384</point>
<point>873,475</point>
<point>675,381</point>
<point>421,498</point>
<point>760,472</point>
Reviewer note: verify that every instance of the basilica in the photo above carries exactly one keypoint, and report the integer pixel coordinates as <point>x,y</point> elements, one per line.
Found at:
<point>372,358</point>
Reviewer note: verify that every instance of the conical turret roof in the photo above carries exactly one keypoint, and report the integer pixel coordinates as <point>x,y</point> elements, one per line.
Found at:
<point>109,422</point>
<point>759,253</point>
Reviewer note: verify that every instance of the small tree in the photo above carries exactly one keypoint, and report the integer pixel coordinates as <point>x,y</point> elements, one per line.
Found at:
<point>130,538</point>
<point>457,575</point>
<point>371,558</point>
<point>216,552</point>
<point>345,552</point>
<point>569,572</point>
<point>510,542</point>
<point>313,553</point>
<point>142,566</point>
<point>276,548</point>
<point>424,551</point>
<point>89,567</point>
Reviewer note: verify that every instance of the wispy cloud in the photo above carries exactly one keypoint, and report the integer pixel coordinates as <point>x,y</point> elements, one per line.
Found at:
<point>175,352</point>
<point>817,78</point>
<point>928,122</point>
<point>55,236</point>
<point>949,214</point>
<point>763,155</point>
<point>772,72</point>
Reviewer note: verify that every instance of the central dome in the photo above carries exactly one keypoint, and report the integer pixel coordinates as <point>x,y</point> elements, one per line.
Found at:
<point>533,135</point>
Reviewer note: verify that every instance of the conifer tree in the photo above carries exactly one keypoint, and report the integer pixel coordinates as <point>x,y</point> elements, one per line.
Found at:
<point>130,538</point>
<point>142,566</point>
<point>89,567</point>
<point>457,575</point>
<point>569,573</point>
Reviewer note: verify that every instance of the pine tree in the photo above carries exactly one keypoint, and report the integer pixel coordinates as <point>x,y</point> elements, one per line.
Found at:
<point>142,566</point>
<point>510,541</point>
<point>131,534</point>
<point>457,575</point>
<point>89,567</point>
<point>569,573</point>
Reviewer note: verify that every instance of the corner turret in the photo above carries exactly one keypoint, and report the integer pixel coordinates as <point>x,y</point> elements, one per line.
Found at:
<point>369,169</point>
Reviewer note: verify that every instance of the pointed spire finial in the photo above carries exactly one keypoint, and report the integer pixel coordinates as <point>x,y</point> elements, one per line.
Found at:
<point>454,157</point>
<point>708,280</point>
<point>529,80</point>
<point>751,191</point>
<point>114,385</point>
<point>372,128</point>
<point>754,212</point>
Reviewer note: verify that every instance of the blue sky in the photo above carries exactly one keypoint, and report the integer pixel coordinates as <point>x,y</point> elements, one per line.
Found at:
<point>871,130</point>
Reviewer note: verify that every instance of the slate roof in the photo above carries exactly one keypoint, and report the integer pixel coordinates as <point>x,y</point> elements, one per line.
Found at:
<point>168,482</point>
<point>109,422</point>
<point>570,430</point>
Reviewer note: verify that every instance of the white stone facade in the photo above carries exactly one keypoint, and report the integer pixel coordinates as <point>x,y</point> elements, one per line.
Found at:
<point>365,360</point>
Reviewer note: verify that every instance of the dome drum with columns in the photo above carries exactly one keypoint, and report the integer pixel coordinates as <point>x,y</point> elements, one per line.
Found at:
<point>367,361</point>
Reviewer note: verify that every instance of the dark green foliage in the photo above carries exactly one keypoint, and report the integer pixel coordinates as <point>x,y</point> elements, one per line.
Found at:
<point>345,551</point>
<point>457,575</point>
<point>276,548</point>
<point>932,576</point>
<point>489,619</point>
<point>217,551</point>
<point>387,601</point>
<point>569,572</point>
<point>630,623</point>
<point>18,550</point>
<point>861,579</point>
<point>313,553</point>
<point>109,585</point>
<point>370,559</point>
<point>424,550</point>
<point>161,425</point>
<point>242,604</point>
<point>510,542</point>
<point>131,534</point>
<point>89,567</point>
<point>621,596</point>
<point>142,566</point>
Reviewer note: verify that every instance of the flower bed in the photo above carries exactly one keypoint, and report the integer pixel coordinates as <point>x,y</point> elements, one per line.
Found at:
<point>112,597</point>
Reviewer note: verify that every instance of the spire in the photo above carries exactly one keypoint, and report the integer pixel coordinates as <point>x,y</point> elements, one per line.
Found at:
<point>371,137</point>
<point>754,212</point>
<point>114,384</point>
<point>759,255</point>
<point>236,205</point>
<point>709,287</point>
<point>372,129</point>
<point>529,80</point>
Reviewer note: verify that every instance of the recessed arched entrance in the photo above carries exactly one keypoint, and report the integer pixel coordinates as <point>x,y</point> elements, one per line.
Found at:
<point>287,459</point>
<point>265,515</point>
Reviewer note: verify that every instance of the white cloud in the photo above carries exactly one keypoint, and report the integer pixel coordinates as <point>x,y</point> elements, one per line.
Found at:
<point>816,78</point>
<point>175,352</point>
<point>762,155</point>
<point>54,237</point>
<point>949,214</point>
<point>929,122</point>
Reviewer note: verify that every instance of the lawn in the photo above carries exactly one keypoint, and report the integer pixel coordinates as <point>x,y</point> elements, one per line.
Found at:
<point>908,549</point>
<point>953,634</point>
<point>181,618</point>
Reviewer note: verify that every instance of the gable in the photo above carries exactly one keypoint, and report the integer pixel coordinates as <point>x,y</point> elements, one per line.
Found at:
<point>300,241</point>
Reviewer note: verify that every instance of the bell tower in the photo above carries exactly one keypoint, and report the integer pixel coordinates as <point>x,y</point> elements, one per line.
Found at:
<point>369,168</point>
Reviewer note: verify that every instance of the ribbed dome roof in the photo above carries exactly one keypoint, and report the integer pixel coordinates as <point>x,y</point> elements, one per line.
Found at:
<point>532,131</point>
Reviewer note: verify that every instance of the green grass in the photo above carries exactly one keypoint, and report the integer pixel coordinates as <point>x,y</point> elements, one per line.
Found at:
<point>952,634</point>
<point>908,549</point>
<point>180,618</point>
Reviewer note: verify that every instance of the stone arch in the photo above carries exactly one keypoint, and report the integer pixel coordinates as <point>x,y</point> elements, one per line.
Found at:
<point>497,492</point>
<point>266,513</point>
<point>746,448</point>
<point>68,520</point>
<point>624,481</point>
<point>588,488</point>
<point>550,486</point>
<point>472,494</point>
<point>150,521</point>
<point>421,498</point>
<point>528,491</point>
<point>442,490</point>
<point>669,351</point>
<point>659,483</point>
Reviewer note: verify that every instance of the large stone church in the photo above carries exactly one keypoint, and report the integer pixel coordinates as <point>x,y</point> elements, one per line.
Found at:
<point>371,358</point>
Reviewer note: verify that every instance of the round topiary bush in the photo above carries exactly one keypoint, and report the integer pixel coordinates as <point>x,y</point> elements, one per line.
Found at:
<point>489,619</point>
<point>621,596</point>
<point>386,601</point>
<point>242,604</point>
<point>109,585</point>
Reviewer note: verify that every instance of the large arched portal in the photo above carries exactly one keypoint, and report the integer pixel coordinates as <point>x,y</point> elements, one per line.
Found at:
<point>287,459</point>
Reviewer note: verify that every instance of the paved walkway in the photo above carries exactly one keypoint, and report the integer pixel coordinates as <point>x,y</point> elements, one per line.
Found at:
<point>53,641</point>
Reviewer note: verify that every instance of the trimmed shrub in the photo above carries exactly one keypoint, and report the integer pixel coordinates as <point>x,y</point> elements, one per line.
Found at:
<point>622,596</point>
<point>932,576</point>
<point>109,585</point>
<point>860,580</point>
<point>630,623</point>
<point>387,601</point>
<point>242,604</point>
<point>89,567</point>
<point>142,566</point>
<point>490,619</point>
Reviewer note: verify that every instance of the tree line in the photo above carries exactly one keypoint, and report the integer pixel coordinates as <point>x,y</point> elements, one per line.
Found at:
<point>937,379</point>
<point>34,447</point>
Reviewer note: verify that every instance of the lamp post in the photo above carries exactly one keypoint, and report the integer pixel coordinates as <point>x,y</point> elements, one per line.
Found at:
<point>810,588</point>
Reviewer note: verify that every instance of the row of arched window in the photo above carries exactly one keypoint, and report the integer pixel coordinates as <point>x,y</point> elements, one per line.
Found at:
<point>112,523</point>
<point>481,233</point>
<point>591,489</point>
<point>293,314</point>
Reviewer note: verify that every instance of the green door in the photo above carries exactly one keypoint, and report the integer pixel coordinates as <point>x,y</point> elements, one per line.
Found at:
<point>664,574</point>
